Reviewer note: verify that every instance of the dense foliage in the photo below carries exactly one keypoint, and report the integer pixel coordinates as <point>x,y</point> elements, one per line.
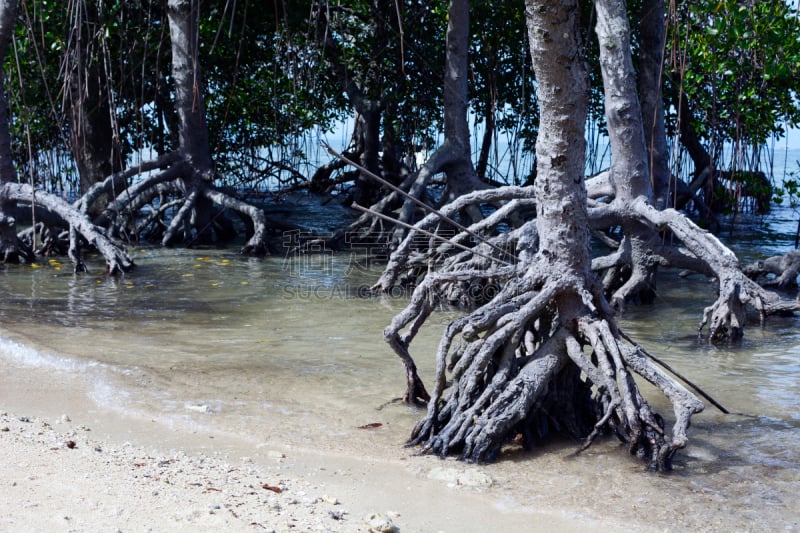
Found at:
<point>277,73</point>
<point>740,66</point>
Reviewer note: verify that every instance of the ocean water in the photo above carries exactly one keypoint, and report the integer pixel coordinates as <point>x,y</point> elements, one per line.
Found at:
<point>288,351</point>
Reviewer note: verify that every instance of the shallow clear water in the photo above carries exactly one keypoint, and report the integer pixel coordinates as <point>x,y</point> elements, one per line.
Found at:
<point>286,350</point>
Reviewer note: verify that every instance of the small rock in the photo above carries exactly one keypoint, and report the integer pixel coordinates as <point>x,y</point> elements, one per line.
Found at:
<point>24,419</point>
<point>273,504</point>
<point>64,419</point>
<point>330,499</point>
<point>703,454</point>
<point>198,408</point>
<point>381,524</point>
<point>462,477</point>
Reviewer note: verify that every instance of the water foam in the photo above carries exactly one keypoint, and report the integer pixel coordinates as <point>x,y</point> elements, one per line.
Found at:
<point>18,353</point>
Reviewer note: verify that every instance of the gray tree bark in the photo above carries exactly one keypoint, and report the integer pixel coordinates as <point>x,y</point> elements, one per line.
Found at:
<point>9,248</point>
<point>643,249</point>
<point>191,171</point>
<point>184,17</point>
<point>542,354</point>
<point>454,156</point>
<point>652,31</point>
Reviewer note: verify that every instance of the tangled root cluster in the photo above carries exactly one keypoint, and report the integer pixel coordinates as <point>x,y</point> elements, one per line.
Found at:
<point>542,356</point>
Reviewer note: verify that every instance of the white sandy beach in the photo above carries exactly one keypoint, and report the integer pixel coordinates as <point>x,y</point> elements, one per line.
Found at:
<point>67,465</point>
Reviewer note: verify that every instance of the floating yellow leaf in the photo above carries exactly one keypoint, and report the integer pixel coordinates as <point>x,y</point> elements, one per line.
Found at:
<point>35,265</point>
<point>188,275</point>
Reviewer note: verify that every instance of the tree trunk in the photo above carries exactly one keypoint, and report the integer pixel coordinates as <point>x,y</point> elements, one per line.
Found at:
<point>366,99</point>
<point>9,249</point>
<point>543,355</point>
<point>631,208</point>
<point>630,169</point>
<point>96,148</point>
<point>651,64</point>
<point>453,157</point>
<point>184,17</point>
<point>368,130</point>
<point>12,192</point>
<point>489,110</point>
<point>461,176</point>
<point>184,186</point>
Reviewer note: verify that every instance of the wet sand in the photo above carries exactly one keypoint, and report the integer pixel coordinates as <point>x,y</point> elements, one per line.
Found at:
<point>68,465</point>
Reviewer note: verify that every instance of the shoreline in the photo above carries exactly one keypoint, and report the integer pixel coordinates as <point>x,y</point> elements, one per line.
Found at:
<point>68,465</point>
<point>144,470</point>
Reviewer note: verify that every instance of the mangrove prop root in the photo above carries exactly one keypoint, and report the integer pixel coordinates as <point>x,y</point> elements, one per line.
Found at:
<point>523,365</point>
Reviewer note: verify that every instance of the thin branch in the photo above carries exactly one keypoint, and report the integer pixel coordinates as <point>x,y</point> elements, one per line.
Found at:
<point>417,201</point>
<point>426,232</point>
<point>674,372</point>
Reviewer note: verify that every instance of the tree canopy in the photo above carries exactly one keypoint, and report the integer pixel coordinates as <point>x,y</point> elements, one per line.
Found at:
<point>276,73</point>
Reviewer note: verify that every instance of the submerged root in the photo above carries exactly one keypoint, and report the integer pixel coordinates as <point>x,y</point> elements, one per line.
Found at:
<point>779,271</point>
<point>726,317</point>
<point>630,270</point>
<point>537,360</point>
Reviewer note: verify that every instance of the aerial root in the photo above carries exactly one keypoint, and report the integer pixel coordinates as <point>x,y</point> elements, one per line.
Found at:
<point>784,269</point>
<point>180,189</point>
<point>406,259</point>
<point>706,254</point>
<point>727,315</point>
<point>627,410</point>
<point>579,383</point>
